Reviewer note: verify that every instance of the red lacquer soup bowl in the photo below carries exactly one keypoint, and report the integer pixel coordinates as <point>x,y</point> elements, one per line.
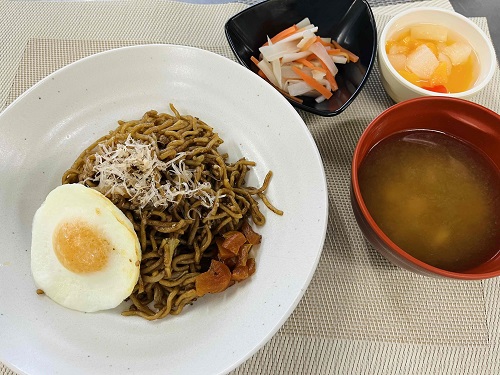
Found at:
<point>463,120</point>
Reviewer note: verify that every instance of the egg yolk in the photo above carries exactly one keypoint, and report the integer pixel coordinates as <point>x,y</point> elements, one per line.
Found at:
<point>80,247</point>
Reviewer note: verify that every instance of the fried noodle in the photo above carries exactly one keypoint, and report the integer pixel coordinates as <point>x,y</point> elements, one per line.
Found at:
<point>180,193</point>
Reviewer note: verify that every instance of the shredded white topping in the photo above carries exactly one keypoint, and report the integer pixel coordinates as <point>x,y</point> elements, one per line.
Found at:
<point>133,170</point>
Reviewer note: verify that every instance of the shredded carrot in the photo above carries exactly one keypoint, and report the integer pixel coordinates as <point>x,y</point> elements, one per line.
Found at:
<point>307,44</point>
<point>313,83</point>
<point>340,53</point>
<point>283,34</point>
<point>333,51</point>
<point>254,60</point>
<point>329,77</point>
<point>352,56</point>
<point>305,63</point>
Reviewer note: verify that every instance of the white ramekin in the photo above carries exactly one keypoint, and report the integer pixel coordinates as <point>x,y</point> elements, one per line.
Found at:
<point>400,89</point>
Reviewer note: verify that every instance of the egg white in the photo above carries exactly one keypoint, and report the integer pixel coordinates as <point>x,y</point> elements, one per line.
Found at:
<point>91,291</point>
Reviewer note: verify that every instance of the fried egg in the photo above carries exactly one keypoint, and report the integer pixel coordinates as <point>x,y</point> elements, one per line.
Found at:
<point>85,254</point>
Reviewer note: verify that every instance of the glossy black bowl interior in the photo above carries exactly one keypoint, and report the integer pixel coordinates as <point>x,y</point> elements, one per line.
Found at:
<point>350,22</point>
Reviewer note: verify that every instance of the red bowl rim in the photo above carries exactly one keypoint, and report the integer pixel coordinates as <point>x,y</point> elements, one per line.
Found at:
<point>364,210</point>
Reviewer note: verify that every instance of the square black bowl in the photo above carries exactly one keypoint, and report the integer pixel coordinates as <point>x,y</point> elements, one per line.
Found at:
<point>349,22</point>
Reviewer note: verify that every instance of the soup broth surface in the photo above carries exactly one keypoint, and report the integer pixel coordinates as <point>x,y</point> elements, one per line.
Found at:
<point>435,197</point>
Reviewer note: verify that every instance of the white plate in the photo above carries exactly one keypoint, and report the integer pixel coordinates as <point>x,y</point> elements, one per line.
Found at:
<point>45,129</point>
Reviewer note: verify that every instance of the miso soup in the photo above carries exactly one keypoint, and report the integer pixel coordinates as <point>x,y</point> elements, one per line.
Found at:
<point>434,196</point>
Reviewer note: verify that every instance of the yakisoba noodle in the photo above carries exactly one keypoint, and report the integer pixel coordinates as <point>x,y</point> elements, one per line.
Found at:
<point>198,195</point>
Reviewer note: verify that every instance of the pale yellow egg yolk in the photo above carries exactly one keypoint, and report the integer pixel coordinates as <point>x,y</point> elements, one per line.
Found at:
<point>80,247</point>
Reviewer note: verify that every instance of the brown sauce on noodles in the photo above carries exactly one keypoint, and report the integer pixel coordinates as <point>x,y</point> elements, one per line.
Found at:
<point>177,239</point>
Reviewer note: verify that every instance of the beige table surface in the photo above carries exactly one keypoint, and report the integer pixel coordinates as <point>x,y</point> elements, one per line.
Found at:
<point>360,314</point>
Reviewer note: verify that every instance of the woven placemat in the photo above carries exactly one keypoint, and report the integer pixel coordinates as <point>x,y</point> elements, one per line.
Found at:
<point>360,314</point>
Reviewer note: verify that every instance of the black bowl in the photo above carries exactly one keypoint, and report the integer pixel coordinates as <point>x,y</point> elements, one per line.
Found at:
<point>350,22</point>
